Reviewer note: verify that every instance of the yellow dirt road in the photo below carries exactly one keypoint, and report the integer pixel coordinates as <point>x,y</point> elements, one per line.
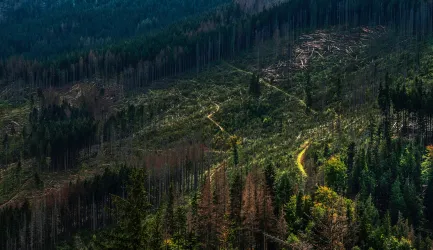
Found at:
<point>301,157</point>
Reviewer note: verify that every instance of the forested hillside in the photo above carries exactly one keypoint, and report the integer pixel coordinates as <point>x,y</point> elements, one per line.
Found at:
<point>255,125</point>
<point>38,29</point>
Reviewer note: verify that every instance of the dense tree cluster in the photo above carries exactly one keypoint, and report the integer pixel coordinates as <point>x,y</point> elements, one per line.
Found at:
<point>46,28</point>
<point>373,193</point>
<point>94,204</point>
<point>60,132</point>
<point>57,216</point>
<point>194,43</point>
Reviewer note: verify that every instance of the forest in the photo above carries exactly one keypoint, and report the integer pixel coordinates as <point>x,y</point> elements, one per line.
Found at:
<point>213,124</point>
<point>40,29</point>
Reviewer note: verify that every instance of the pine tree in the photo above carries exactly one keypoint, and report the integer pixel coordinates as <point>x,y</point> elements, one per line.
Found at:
<point>428,202</point>
<point>169,214</point>
<point>350,161</point>
<point>397,204</point>
<point>369,218</point>
<point>335,174</point>
<point>270,180</point>
<point>254,87</point>
<point>308,94</point>
<point>133,212</point>
<point>338,88</point>
<point>234,141</point>
<point>413,203</point>
<point>180,238</point>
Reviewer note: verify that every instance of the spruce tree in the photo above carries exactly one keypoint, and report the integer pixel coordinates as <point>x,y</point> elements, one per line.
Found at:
<point>133,212</point>
<point>369,217</point>
<point>428,203</point>
<point>169,213</point>
<point>254,87</point>
<point>308,94</point>
<point>397,204</point>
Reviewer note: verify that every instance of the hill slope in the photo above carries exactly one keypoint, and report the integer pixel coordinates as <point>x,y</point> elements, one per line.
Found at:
<point>268,131</point>
<point>38,29</point>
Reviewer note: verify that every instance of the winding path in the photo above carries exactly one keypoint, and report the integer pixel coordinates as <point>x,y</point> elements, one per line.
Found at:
<point>301,158</point>
<point>213,121</point>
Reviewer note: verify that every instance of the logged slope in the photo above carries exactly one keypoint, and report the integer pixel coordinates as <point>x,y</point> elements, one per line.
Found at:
<point>211,158</point>
<point>38,29</point>
<point>212,107</point>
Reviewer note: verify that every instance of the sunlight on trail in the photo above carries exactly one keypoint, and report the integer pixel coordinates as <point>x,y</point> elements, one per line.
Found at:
<point>213,121</point>
<point>301,157</point>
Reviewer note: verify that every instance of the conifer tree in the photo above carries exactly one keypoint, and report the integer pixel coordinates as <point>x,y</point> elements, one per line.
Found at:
<point>133,212</point>
<point>397,204</point>
<point>335,174</point>
<point>254,87</point>
<point>169,214</point>
<point>308,94</point>
<point>428,202</point>
<point>369,217</point>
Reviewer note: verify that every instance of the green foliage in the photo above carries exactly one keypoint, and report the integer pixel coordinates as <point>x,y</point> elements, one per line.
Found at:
<point>335,174</point>
<point>331,216</point>
<point>136,223</point>
<point>254,87</point>
<point>393,243</point>
<point>428,202</point>
<point>397,203</point>
<point>60,132</point>
<point>38,182</point>
<point>387,174</point>
<point>285,185</point>
<point>427,166</point>
<point>297,212</point>
<point>39,30</point>
<point>368,218</point>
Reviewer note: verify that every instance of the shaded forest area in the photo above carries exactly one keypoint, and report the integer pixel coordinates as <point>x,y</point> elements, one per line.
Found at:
<point>196,42</point>
<point>40,29</point>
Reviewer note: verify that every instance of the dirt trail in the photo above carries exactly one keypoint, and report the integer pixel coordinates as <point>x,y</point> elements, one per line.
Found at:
<point>267,84</point>
<point>301,158</point>
<point>213,121</point>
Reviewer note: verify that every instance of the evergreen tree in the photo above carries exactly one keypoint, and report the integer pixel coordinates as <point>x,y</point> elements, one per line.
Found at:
<point>254,87</point>
<point>369,218</point>
<point>335,174</point>
<point>397,204</point>
<point>350,162</point>
<point>133,213</point>
<point>308,94</point>
<point>428,202</point>
<point>270,179</point>
<point>413,203</point>
<point>169,213</point>
<point>338,88</point>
